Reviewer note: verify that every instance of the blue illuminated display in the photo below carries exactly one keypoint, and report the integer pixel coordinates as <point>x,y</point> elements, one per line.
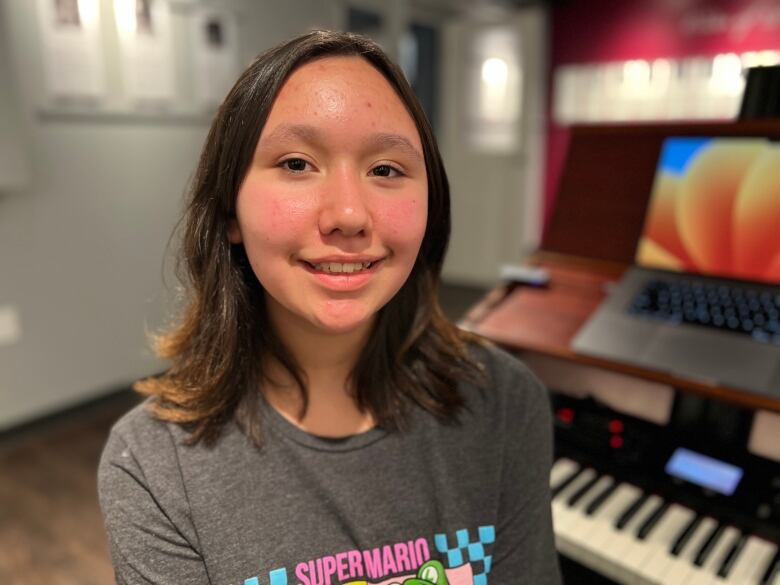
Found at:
<point>704,471</point>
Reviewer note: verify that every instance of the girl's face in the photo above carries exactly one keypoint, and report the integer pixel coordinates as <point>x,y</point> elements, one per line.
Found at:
<point>333,208</point>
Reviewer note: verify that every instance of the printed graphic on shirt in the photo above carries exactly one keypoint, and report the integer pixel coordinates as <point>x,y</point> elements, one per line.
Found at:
<point>465,561</point>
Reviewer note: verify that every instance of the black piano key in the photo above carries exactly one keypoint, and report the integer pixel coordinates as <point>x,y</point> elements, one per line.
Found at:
<point>706,548</point>
<point>732,556</point>
<point>562,484</point>
<point>652,520</point>
<point>599,500</point>
<point>772,569</point>
<point>686,534</point>
<point>626,516</point>
<point>584,489</point>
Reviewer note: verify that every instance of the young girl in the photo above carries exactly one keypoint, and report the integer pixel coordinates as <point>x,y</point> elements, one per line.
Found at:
<point>322,422</point>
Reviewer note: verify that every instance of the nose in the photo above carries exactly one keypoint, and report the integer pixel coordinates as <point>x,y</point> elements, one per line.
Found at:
<point>344,206</point>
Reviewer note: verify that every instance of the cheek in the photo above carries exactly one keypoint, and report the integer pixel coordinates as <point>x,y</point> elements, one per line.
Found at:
<point>288,218</point>
<point>271,227</point>
<point>403,222</point>
<point>271,221</point>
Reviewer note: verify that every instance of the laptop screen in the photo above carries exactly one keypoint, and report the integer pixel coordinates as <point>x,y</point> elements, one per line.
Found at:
<point>715,209</point>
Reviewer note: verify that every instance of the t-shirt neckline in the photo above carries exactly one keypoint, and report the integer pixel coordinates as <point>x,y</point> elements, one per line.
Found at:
<point>334,444</point>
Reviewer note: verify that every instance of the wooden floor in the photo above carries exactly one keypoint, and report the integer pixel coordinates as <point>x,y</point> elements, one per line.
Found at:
<point>51,532</point>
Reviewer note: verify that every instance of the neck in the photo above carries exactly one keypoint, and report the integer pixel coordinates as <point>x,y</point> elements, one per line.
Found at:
<point>327,360</point>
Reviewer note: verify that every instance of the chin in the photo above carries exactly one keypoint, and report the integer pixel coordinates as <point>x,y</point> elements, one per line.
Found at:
<point>340,327</point>
<point>343,322</point>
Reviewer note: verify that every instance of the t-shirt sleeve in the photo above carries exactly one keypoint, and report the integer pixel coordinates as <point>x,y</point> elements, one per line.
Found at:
<point>148,534</point>
<point>525,548</point>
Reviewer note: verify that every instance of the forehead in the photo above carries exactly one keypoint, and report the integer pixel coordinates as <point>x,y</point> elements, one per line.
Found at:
<point>344,94</point>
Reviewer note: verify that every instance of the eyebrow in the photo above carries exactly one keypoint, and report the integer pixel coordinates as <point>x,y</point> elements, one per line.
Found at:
<point>389,141</point>
<point>311,134</point>
<point>290,132</point>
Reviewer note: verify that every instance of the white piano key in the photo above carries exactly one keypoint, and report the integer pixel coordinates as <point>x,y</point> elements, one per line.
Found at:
<point>745,563</point>
<point>659,542</point>
<point>577,531</point>
<point>599,522</point>
<point>772,573</point>
<point>736,555</point>
<point>706,574</point>
<point>740,566</point>
<point>776,579</point>
<point>756,555</point>
<point>602,527</point>
<point>562,514</point>
<point>763,564</point>
<point>677,571</point>
<point>617,542</point>
<point>581,519</point>
<point>561,468</point>
<point>635,549</point>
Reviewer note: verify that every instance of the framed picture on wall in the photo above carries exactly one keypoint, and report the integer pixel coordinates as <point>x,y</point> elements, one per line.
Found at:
<point>214,42</point>
<point>72,50</point>
<point>146,51</point>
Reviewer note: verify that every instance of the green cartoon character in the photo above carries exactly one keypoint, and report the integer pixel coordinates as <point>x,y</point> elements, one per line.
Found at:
<point>431,573</point>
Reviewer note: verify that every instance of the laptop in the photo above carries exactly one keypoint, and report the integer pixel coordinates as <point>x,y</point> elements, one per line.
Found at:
<point>702,299</point>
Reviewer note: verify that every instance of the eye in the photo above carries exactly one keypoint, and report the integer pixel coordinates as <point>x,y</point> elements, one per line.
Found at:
<point>386,171</point>
<point>294,165</point>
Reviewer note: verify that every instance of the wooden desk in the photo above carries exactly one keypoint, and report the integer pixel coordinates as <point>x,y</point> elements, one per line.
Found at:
<point>544,321</point>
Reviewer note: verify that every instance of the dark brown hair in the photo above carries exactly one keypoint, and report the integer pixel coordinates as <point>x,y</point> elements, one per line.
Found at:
<point>414,356</point>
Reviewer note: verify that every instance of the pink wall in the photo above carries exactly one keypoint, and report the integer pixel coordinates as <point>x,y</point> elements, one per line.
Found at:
<point>595,31</point>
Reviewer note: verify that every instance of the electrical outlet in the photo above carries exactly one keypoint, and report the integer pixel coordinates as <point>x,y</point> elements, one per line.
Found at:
<point>10,328</point>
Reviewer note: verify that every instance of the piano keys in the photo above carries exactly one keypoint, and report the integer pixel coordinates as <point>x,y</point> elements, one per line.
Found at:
<point>636,537</point>
<point>680,500</point>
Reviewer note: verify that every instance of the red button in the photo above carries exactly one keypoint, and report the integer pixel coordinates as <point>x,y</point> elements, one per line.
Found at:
<point>566,414</point>
<point>615,426</point>
<point>616,441</point>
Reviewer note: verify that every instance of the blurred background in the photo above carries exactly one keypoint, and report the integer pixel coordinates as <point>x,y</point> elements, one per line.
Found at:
<point>104,106</point>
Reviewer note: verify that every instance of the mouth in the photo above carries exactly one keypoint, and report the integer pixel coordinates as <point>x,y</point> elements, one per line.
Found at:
<point>342,268</point>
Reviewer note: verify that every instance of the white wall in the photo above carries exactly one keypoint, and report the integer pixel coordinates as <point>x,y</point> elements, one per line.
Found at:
<point>496,195</point>
<point>14,155</point>
<point>82,239</point>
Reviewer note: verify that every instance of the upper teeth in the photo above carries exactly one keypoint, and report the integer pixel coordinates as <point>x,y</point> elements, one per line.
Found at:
<point>339,267</point>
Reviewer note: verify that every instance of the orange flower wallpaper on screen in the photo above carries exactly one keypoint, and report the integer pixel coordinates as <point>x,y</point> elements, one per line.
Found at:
<point>715,209</point>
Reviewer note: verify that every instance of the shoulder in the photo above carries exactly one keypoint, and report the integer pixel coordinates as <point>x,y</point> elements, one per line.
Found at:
<point>514,409</point>
<point>144,500</point>
<point>139,432</point>
<point>507,379</point>
<point>509,400</point>
<point>140,473</point>
<point>158,454</point>
<point>139,446</point>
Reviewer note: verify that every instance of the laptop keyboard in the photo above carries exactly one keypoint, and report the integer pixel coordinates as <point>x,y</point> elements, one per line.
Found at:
<point>740,309</point>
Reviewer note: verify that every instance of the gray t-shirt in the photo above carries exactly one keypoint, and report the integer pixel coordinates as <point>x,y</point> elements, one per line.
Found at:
<point>462,504</point>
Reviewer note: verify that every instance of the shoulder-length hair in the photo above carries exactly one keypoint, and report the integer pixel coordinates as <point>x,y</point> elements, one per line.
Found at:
<point>414,355</point>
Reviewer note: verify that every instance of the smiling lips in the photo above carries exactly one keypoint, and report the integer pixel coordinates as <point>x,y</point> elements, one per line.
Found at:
<point>340,268</point>
<point>342,275</point>
<point>342,264</point>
